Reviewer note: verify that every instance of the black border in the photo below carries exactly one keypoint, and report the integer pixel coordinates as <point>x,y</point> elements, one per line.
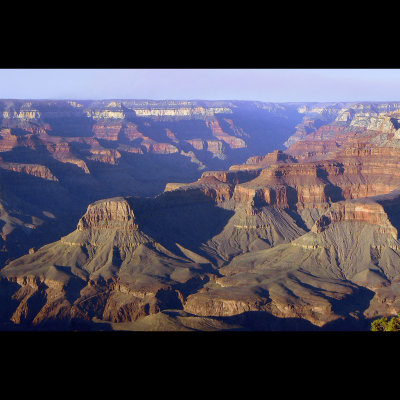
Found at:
<point>125,44</point>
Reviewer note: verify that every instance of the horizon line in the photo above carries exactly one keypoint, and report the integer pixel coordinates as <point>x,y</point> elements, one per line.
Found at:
<point>194,99</point>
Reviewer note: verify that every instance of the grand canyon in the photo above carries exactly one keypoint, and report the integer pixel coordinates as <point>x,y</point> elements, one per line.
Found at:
<point>170,215</point>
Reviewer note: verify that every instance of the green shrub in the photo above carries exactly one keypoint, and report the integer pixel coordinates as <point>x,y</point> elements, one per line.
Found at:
<point>379,325</point>
<point>382,324</point>
<point>394,324</point>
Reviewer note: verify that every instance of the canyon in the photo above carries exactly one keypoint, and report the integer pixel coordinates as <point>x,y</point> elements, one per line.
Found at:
<point>198,215</point>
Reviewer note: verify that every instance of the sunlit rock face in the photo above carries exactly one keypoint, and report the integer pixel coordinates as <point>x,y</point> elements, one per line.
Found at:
<point>115,213</point>
<point>36,170</point>
<point>360,211</point>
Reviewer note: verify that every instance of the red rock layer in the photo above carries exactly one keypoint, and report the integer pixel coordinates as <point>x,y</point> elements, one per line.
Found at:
<point>232,141</point>
<point>110,213</point>
<point>217,185</point>
<point>232,177</point>
<point>281,196</point>
<point>60,150</point>
<point>132,133</point>
<point>105,155</point>
<point>130,149</point>
<point>355,174</point>
<point>277,156</point>
<point>361,211</point>
<point>238,131</point>
<point>7,140</point>
<point>328,138</point>
<point>107,131</point>
<point>171,135</point>
<point>216,147</point>
<point>39,171</point>
<point>159,148</point>
<point>198,144</point>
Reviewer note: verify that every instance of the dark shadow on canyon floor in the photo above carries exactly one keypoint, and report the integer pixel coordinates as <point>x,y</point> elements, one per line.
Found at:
<point>189,219</point>
<point>251,321</point>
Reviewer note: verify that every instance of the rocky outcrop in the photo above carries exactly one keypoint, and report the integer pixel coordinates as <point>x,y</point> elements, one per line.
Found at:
<point>132,133</point>
<point>39,171</point>
<point>198,144</point>
<point>276,156</point>
<point>107,131</point>
<point>105,114</point>
<point>22,114</point>
<point>366,211</point>
<point>61,151</point>
<point>7,140</point>
<point>281,196</point>
<point>108,214</point>
<point>216,147</point>
<point>130,149</point>
<point>105,155</point>
<point>374,122</point>
<point>181,111</point>
<point>233,142</point>
<point>171,135</point>
<point>159,148</point>
<point>232,177</point>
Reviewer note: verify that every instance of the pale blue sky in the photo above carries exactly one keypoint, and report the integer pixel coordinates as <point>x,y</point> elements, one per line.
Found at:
<point>275,85</point>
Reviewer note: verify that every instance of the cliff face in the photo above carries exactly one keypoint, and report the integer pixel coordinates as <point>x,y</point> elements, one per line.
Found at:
<point>354,125</point>
<point>356,211</point>
<point>106,214</point>
<point>39,171</point>
<point>276,156</point>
